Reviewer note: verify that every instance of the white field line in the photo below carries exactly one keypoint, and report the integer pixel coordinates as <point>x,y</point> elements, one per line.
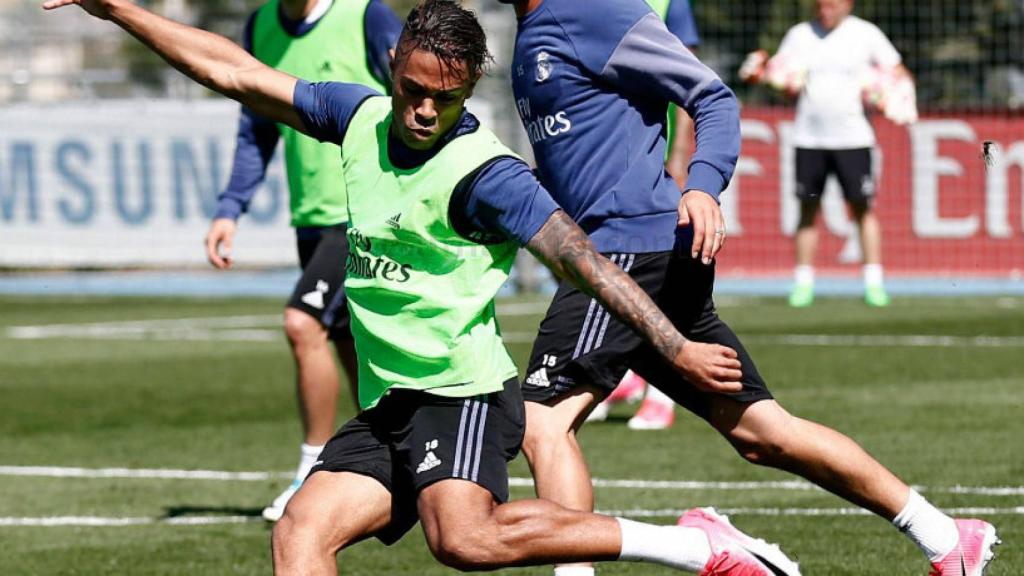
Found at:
<point>675,513</point>
<point>219,475</point>
<point>267,328</point>
<point>53,521</point>
<point>101,521</point>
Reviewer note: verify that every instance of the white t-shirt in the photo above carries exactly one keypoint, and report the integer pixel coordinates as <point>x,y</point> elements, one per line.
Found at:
<point>830,112</point>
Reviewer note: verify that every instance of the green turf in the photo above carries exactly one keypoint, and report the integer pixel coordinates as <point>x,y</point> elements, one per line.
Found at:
<point>938,416</point>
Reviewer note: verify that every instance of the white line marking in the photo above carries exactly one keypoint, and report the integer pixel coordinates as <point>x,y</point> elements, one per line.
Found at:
<point>674,513</point>
<point>887,340</point>
<point>101,521</point>
<point>267,328</point>
<point>53,521</point>
<point>220,475</point>
<point>139,473</point>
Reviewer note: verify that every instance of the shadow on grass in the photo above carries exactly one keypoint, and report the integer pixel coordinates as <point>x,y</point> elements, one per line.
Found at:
<point>179,511</point>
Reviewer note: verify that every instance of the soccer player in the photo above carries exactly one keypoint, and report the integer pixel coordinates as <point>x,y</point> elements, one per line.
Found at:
<point>592,87</point>
<point>657,410</point>
<point>348,41</point>
<point>836,51</point>
<point>437,208</point>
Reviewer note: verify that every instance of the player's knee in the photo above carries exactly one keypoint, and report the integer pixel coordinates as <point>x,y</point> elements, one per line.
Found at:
<point>463,550</point>
<point>301,328</point>
<point>764,448</point>
<point>286,541</point>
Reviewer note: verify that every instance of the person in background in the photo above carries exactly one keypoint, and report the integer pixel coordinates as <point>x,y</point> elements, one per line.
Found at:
<point>343,40</point>
<point>832,64</point>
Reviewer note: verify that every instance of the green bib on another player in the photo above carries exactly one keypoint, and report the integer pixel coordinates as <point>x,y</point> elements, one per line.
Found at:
<point>421,296</point>
<point>335,49</point>
<point>660,8</point>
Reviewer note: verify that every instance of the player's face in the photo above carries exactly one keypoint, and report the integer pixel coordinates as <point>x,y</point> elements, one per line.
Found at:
<point>428,97</point>
<point>830,13</point>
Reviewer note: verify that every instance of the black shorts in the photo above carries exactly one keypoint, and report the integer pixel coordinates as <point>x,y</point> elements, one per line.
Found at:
<point>580,343</point>
<point>851,167</point>
<point>320,291</point>
<point>412,439</point>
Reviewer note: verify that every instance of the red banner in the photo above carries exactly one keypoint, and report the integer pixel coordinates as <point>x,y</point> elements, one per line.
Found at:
<point>943,210</point>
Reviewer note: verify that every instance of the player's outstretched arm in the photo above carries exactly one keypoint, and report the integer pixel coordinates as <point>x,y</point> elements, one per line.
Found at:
<point>209,59</point>
<point>565,249</point>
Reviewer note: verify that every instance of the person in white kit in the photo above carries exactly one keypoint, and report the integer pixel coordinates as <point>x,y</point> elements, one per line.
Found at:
<point>832,64</point>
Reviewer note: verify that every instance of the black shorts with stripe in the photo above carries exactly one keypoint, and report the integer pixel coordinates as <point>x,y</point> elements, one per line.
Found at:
<point>320,291</point>
<point>412,439</point>
<point>579,342</point>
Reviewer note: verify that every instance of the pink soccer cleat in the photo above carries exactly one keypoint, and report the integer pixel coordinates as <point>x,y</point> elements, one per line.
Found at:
<point>733,553</point>
<point>630,389</point>
<point>973,552</point>
<point>653,416</point>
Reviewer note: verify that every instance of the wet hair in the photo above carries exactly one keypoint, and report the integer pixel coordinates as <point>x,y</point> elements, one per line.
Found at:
<point>447,30</point>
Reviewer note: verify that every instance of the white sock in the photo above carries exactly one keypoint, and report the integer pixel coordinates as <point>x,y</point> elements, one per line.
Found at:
<point>803,275</point>
<point>658,397</point>
<point>673,546</point>
<point>574,571</point>
<point>934,533</point>
<point>873,275</point>
<point>307,460</point>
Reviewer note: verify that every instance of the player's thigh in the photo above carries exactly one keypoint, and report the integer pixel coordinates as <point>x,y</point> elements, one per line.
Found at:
<point>811,172</point>
<point>336,509</point>
<point>562,415</point>
<point>688,301</point>
<point>854,170</point>
<point>320,291</point>
<point>452,511</point>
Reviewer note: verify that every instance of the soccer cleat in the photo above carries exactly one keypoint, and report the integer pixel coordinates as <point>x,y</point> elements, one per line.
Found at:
<point>274,512</point>
<point>733,553</point>
<point>802,296</point>
<point>653,416</point>
<point>973,551</point>
<point>876,296</point>
<point>630,389</point>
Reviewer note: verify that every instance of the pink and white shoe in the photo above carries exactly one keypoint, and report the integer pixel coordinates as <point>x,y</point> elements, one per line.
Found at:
<point>733,553</point>
<point>630,389</point>
<point>973,552</point>
<point>653,416</point>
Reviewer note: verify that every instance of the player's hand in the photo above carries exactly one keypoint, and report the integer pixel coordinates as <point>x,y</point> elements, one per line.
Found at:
<point>219,241</point>
<point>98,8</point>
<point>700,210</point>
<point>710,367</point>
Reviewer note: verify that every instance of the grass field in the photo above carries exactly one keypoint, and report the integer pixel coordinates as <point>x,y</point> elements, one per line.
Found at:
<point>111,383</point>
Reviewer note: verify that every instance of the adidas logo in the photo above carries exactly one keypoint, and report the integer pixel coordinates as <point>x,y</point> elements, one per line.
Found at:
<point>393,221</point>
<point>429,463</point>
<point>316,297</point>
<point>539,378</point>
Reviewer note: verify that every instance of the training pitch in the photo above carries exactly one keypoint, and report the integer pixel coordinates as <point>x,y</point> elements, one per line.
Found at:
<point>143,436</point>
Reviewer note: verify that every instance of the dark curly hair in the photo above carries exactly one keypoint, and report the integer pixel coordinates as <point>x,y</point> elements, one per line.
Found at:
<point>447,30</point>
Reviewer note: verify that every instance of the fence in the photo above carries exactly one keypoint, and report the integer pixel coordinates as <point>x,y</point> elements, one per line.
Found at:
<point>943,211</point>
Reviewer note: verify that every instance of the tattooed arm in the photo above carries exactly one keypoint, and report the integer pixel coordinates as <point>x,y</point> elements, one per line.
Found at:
<point>564,248</point>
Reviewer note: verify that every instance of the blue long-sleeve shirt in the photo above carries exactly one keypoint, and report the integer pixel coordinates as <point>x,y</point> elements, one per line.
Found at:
<point>257,137</point>
<point>592,88</point>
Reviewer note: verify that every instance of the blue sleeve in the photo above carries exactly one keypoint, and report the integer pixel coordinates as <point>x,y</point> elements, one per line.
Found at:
<point>680,22</point>
<point>326,108</point>
<point>382,28</point>
<point>596,32</point>
<point>501,201</point>
<point>254,147</point>
<point>651,61</point>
